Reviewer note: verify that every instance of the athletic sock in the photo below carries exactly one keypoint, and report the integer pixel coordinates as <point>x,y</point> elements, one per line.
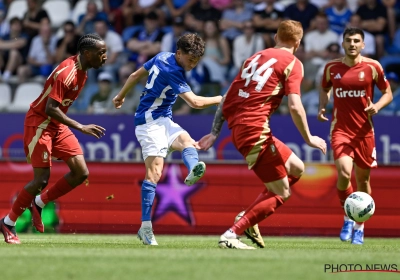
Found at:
<point>23,201</point>
<point>147,224</point>
<point>344,194</point>
<point>60,188</point>
<point>148,194</point>
<point>190,157</point>
<point>359,226</point>
<point>257,212</point>
<point>230,234</point>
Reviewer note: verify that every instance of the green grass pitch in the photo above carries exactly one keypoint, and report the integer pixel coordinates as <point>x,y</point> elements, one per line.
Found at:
<point>109,257</point>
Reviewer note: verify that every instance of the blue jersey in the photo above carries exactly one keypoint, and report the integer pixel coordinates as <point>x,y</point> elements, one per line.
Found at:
<point>166,80</point>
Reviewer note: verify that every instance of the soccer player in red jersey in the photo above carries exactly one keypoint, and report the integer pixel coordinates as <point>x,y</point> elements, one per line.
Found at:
<point>352,79</point>
<point>253,97</point>
<point>47,134</point>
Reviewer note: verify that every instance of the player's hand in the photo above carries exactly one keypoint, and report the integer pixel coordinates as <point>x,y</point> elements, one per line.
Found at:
<point>118,101</point>
<point>206,142</point>
<point>371,108</point>
<point>321,116</point>
<point>94,130</point>
<point>318,143</point>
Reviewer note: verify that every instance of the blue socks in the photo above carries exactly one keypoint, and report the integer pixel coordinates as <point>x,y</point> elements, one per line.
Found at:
<point>148,194</point>
<point>190,157</point>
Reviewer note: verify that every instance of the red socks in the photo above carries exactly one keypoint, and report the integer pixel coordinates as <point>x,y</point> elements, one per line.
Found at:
<point>23,201</point>
<point>344,194</point>
<point>265,205</point>
<point>55,191</point>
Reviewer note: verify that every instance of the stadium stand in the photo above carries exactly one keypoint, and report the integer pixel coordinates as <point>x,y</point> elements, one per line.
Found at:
<point>25,94</point>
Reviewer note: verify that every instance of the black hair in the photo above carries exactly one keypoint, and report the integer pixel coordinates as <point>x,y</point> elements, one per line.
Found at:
<point>352,31</point>
<point>69,22</point>
<point>88,41</point>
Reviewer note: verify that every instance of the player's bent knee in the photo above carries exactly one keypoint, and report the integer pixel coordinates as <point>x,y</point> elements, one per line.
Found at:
<point>40,183</point>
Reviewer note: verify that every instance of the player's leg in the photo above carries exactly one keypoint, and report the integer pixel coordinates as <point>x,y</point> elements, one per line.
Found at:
<point>364,160</point>
<point>37,146</point>
<point>65,146</point>
<point>293,164</point>
<point>294,168</point>
<point>22,202</point>
<point>154,167</point>
<point>270,168</point>
<point>154,142</point>
<point>181,141</point>
<point>344,166</point>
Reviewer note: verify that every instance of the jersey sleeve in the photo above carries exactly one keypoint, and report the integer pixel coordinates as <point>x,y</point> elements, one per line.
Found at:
<point>381,82</point>
<point>178,82</point>
<point>147,65</point>
<point>59,87</point>
<point>326,77</point>
<point>293,80</point>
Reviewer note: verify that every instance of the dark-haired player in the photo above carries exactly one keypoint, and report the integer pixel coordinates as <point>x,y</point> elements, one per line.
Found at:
<point>352,79</point>
<point>155,130</point>
<point>47,134</point>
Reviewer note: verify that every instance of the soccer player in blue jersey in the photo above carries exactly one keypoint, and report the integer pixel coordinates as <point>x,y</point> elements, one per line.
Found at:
<point>155,130</point>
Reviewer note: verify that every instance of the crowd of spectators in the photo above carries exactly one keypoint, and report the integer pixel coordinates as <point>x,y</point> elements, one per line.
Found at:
<point>135,30</point>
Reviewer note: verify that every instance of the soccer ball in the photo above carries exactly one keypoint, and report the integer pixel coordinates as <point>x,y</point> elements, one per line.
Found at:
<point>359,206</point>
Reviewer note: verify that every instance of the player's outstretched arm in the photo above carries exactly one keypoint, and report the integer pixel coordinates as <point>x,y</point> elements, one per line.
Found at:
<point>53,111</point>
<point>299,118</point>
<point>324,96</point>
<point>200,102</point>
<point>133,79</point>
<point>208,140</point>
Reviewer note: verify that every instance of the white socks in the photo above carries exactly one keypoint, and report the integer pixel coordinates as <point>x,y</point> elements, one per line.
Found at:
<point>359,227</point>
<point>39,201</point>
<point>8,222</point>
<point>147,224</point>
<point>230,234</point>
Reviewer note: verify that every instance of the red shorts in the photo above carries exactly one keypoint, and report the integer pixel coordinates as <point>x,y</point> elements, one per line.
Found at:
<point>265,155</point>
<point>41,145</point>
<point>361,150</point>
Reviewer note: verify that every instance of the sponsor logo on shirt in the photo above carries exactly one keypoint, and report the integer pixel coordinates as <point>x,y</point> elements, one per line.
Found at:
<point>67,102</point>
<point>243,94</point>
<point>339,92</point>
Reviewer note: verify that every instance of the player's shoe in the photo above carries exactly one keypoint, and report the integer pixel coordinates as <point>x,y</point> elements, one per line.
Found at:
<point>358,237</point>
<point>10,236</point>
<point>146,235</point>
<point>196,173</point>
<point>233,243</point>
<point>347,230</point>
<point>36,212</point>
<point>252,233</point>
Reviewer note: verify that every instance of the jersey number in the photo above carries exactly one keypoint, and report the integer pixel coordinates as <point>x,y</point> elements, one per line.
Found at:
<point>155,71</point>
<point>252,73</point>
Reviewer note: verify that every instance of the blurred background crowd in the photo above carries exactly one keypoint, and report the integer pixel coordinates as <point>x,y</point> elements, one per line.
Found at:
<point>37,35</point>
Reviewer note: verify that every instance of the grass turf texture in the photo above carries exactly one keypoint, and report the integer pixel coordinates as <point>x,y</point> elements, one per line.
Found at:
<point>108,257</point>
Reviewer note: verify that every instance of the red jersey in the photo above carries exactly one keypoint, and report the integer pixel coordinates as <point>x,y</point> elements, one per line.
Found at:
<point>63,85</point>
<point>258,89</point>
<point>351,87</point>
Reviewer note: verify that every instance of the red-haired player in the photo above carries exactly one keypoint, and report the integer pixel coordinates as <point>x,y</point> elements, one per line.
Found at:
<point>253,97</point>
<point>352,79</point>
<point>47,135</point>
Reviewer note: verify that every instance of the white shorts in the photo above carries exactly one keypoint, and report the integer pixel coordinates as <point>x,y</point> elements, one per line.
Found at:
<point>156,137</point>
